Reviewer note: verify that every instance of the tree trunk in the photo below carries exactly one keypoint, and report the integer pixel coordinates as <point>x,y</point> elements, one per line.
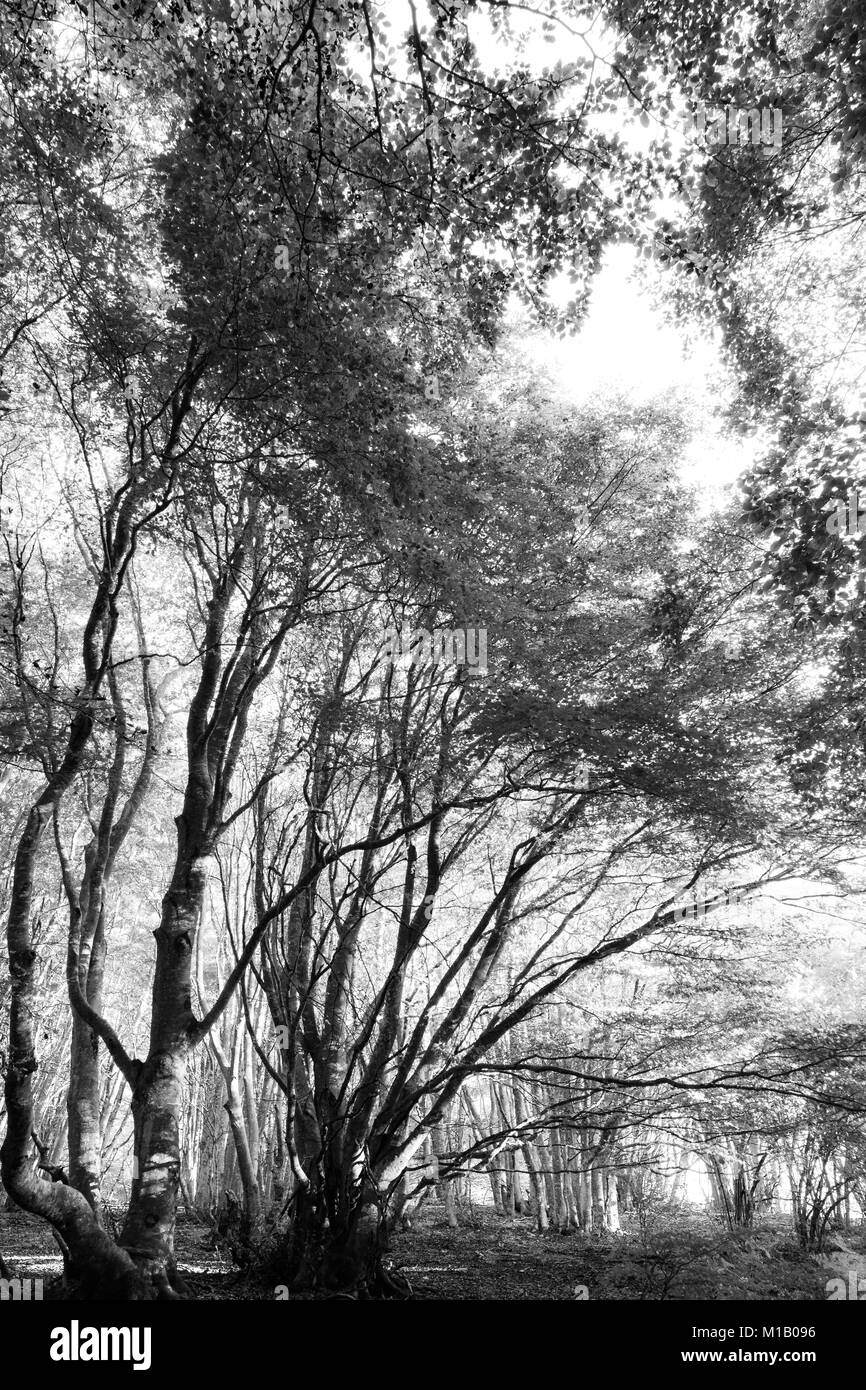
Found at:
<point>83,1099</point>
<point>149,1228</point>
<point>245,1161</point>
<point>533,1165</point>
<point>82,1108</point>
<point>597,1198</point>
<point>612,1203</point>
<point>96,1264</point>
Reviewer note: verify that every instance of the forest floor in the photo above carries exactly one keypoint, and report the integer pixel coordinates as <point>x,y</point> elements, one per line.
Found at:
<point>490,1257</point>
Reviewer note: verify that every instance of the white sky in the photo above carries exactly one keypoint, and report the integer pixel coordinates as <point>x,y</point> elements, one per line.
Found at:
<point>624,346</point>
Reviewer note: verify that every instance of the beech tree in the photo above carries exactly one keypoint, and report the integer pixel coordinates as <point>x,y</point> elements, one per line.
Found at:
<point>263,411</point>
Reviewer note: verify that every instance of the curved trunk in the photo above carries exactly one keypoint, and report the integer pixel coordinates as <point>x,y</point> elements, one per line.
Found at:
<point>98,1267</point>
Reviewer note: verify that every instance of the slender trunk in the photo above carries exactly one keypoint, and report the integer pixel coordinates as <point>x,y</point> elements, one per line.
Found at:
<point>566,1211</point>
<point>251,1113</point>
<point>533,1165</point>
<point>83,1099</point>
<point>583,1198</point>
<point>611,1209</point>
<point>598,1197</point>
<point>82,1108</point>
<point>243,1152</point>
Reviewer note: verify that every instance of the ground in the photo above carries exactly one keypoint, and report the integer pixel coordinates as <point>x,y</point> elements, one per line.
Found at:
<point>493,1258</point>
<point>489,1257</point>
